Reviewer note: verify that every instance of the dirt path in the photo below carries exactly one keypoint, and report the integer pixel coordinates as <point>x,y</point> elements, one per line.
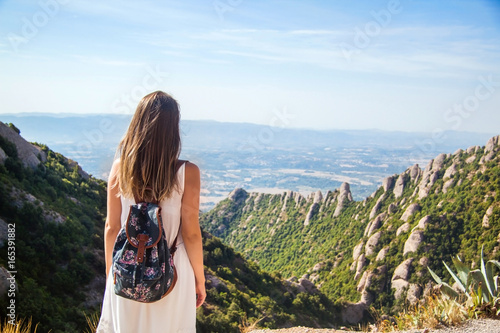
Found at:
<point>471,326</point>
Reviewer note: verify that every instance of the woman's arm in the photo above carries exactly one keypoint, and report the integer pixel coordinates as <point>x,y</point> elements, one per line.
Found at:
<point>191,232</point>
<point>113,218</point>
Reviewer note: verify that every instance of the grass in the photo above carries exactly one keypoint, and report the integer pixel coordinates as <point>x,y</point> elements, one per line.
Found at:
<point>247,326</point>
<point>434,312</point>
<point>92,321</point>
<point>21,326</point>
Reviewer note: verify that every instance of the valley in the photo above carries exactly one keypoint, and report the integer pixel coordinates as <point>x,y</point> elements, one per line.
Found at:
<point>237,155</point>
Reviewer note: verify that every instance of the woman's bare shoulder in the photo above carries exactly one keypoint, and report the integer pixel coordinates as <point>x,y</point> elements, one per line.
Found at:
<point>191,167</point>
<point>114,170</point>
<point>116,164</point>
<point>192,173</point>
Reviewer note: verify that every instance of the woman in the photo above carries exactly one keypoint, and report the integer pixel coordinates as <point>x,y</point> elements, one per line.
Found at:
<point>149,168</point>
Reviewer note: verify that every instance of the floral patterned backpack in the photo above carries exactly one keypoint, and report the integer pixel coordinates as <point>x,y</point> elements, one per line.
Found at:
<point>143,263</point>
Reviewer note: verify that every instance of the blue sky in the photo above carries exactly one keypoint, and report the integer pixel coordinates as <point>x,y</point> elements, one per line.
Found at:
<point>392,65</point>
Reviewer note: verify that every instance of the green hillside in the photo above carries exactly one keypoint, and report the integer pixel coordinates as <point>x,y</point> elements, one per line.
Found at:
<point>58,213</point>
<point>373,251</point>
<point>56,254</point>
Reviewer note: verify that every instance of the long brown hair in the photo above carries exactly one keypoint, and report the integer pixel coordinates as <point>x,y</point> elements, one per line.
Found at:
<point>150,149</point>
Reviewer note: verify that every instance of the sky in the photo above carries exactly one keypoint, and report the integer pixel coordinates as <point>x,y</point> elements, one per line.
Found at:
<point>390,65</point>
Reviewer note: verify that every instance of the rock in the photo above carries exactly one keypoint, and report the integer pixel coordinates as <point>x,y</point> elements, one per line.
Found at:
<point>314,277</point>
<point>470,159</point>
<point>402,272</point>
<point>355,262</point>
<point>215,282</point>
<point>424,261</point>
<point>372,243</point>
<point>258,198</point>
<point>486,217</point>
<point>447,185</point>
<point>415,173</point>
<point>488,157</point>
<point>412,243</point>
<point>392,208</point>
<point>3,156</point>
<point>297,197</point>
<point>399,187</point>
<point>357,250</point>
<point>452,170</point>
<point>382,253</point>
<point>403,229</point>
<point>374,225</point>
<point>458,152</point>
<point>239,195</point>
<point>3,232</point>
<point>73,164</point>
<point>412,209</point>
<point>400,277</point>
<point>318,196</point>
<point>492,144</point>
<point>29,154</point>
<point>400,286</point>
<point>345,195</point>
<point>471,150</point>
<point>310,213</point>
<point>327,195</point>
<point>93,292</point>
<point>362,282</point>
<point>377,206</point>
<point>307,286</point>
<point>387,183</point>
<point>318,266</point>
<point>437,163</point>
<point>20,197</point>
<point>353,313</point>
<point>5,281</point>
<point>424,221</point>
<point>414,293</point>
<point>367,297</point>
<point>429,176</point>
<point>338,259</point>
<point>360,265</point>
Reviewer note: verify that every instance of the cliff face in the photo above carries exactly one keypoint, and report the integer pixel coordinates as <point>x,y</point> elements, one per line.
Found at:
<point>375,250</point>
<point>29,154</point>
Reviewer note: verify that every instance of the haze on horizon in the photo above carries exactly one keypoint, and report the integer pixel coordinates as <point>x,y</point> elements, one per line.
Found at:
<point>390,65</point>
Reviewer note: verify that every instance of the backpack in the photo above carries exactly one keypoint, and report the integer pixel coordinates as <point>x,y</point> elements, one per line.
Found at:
<point>143,263</point>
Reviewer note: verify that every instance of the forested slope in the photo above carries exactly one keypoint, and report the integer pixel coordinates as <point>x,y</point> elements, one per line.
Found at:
<point>373,251</point>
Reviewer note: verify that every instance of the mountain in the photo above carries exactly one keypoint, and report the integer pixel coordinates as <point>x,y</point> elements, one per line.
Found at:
<point>260,158</point>
<point>375,250</point>
<point>52,262</point>
<point>51,235</point>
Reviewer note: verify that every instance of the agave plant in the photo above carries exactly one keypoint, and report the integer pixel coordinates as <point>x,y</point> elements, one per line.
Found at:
<point>471,282</point>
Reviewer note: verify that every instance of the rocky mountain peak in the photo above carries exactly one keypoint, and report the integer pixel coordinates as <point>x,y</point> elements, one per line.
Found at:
<point>29,154</point>
<point>344,196</point>
<point>492,144</point>
<point>238,195</point>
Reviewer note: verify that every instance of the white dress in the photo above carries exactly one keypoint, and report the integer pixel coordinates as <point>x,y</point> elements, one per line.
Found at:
<point>175,313</point>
